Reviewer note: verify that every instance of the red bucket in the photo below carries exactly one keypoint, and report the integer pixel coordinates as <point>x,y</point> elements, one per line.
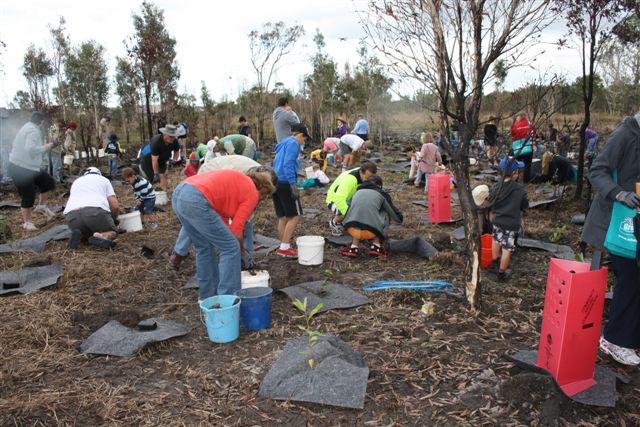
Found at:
<point>485,251</point>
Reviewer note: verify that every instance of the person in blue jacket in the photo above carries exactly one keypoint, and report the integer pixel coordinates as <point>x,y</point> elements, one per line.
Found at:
<point>286,199</point>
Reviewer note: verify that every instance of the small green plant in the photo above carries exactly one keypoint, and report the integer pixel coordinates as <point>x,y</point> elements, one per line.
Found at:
<point>328,275</point>
<point>313,334</point>
<point>558,234</point>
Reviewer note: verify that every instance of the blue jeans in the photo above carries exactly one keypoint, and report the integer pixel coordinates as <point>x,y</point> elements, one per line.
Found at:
<point>209,233</point>
<point>113,166</point>
<point>56,165</point>
<point>184,242</point>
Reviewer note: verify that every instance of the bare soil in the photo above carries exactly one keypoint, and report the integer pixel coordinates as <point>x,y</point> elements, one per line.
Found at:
<point>446,369</point>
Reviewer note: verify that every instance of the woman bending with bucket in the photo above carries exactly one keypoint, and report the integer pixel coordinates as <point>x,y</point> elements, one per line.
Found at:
<point>205,204</point>
<point>368,217</point>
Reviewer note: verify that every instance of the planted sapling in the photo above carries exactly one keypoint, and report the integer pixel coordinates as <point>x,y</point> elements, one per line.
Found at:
<point>313,334</point>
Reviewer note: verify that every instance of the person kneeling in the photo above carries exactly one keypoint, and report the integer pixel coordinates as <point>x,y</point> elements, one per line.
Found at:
<point>368,217</point>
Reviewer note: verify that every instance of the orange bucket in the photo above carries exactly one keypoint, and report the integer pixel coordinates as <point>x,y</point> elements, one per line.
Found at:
<point>485,251</point>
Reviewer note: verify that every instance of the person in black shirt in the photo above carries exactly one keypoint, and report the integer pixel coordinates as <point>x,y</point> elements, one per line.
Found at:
<point>155,157</point>
<point>553,133</point>
<point>491,138</point>
<point>244,128</point>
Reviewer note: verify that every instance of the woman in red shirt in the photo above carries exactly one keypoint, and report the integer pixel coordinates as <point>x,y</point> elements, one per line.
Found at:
<point>523,144</point>
<point>213,208</point>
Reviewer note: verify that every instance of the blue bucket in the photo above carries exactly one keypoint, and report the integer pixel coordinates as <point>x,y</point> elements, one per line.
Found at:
<point>255,310</point>
<point>223,324</point>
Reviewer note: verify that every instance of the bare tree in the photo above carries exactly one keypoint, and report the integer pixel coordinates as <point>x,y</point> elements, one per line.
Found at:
<point>268,48</point>
<point>452,47</point>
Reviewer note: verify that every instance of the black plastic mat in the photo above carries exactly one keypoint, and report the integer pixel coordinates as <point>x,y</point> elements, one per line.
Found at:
<point>9,204</point>
<point>264,245</point>
<point>339,240</point>
<point>538,203</point>
<point>39,242</point>
<point>559,251</point>
<point>311,212</point>
<point>115,339</point>
<point>414,245</point>
<point>29,279</point>
<point>603,393</point>
<point>338,378</point>
<point>336,296</point>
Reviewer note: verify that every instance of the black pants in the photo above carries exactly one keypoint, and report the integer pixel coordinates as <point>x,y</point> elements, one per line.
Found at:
<point>623,328</point>
<point>527,159</point>
<point>28,182</point>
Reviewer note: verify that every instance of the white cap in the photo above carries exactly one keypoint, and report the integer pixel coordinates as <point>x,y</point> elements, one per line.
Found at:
<point>211,144</point>
<point>91,170</point>
<point>480,194</point>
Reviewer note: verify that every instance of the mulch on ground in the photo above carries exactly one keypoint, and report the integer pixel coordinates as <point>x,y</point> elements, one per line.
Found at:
<point>448,368</point>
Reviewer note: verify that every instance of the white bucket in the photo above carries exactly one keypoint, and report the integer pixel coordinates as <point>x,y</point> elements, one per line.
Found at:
<point>256,280</point>
<point>161,198</point>
<point>83,154</point>
<point>131,221</point>
<point>68,160</point>
<point>310,250</point>
<point>101,153</point>
<point>77,154</point>
<point>309,172</point>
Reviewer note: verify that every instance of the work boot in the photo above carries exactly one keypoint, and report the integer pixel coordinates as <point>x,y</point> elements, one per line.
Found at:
<point>504,275</point>
<point>175,260</point>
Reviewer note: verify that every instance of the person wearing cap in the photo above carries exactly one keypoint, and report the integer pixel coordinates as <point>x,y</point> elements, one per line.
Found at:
<point>24,169</point>
<point>213,209</point>
<point>286,198</point>
<point>70,139</point>
<point>91,210</point>
<point>104,130</point>
<point>239,144</point>
<point>342,129</point>
<point>508,198</point>
<point>283,118</point>
<point>361,128</point>
<point>245,128</point>
<point>491,138</point>
<point>213,149</point>
<point>350,145</point>
<point>192,167</point>
<point>480,196</point>
<point>113,151</point>
<point>154,156</point>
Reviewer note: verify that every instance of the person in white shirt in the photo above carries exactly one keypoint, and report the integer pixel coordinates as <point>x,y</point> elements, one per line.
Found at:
<point>350,144</point>
<point>91,210</point>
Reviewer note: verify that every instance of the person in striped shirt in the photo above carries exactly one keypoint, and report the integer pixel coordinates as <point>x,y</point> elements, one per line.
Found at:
<point>145,197</point>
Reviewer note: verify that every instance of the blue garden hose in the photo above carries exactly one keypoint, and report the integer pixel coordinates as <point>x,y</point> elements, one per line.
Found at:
<point>428,286</point>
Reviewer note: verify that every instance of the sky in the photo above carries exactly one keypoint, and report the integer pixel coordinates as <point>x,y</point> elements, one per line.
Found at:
<point>212,42</point>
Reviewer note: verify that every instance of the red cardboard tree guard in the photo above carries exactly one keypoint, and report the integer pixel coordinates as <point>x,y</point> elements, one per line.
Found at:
<point>439,198</point>
<point>571,322</point>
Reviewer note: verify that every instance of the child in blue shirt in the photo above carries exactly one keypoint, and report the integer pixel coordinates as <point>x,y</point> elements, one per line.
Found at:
<point>145,196</point>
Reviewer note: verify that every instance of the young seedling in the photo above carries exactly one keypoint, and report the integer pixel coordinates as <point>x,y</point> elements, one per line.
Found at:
<point>328,274</point>
<point>313,334</point>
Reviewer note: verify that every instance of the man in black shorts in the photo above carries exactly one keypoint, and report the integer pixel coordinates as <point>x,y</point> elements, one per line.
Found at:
<point>153,163</point>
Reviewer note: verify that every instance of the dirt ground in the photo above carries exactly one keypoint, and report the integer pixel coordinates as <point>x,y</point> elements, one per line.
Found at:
<point>446,369</point>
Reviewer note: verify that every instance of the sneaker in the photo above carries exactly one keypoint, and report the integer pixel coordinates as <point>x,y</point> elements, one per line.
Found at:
<point>376,250</point>
<point>101,243</point>
<point>29,226</point>
<point>623,355</point>
<point>504,275</point>
<point>349,251</point>
<point>175,260</point>
<point>337,229</point>
<point>74,240</point>
<point>44,211</point>
<point>288,253</point>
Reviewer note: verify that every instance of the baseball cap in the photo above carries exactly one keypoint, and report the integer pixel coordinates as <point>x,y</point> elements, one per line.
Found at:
<point>510,165</point>
<point>300,128</point>
<point>91,170</point>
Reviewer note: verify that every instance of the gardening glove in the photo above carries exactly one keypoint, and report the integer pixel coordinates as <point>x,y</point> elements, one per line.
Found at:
<point>247,261</point>
<point>295,193</point>
<point>629,199</point>
<point>156,179</point>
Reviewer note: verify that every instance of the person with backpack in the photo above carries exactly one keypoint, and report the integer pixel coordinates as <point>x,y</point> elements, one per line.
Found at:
<point>614,175</point>
<point>523,145</point>
<point>113,151</point>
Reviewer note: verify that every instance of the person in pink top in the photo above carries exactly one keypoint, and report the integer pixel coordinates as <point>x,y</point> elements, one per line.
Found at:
<point>429,159</point>
<point>213,208</point>
<point>330,145</point>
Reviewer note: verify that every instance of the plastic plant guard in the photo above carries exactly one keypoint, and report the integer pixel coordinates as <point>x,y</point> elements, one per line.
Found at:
<point>571,321</point>
<point>439,198</point>
<point>336,296</point>
<point>29,279</point>
<point>37,243</point>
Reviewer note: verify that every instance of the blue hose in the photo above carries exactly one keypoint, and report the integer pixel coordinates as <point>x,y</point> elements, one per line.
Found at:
<point>428,286</point>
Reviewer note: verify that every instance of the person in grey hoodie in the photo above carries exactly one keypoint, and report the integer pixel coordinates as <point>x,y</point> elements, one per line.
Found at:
<point>283,118</point>
<point>368,217</point>
<point>24,168</point>
<point>622,154</point>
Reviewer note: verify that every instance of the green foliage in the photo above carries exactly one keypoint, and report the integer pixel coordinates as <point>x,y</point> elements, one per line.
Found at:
<point>37,69</point>
<point>312,334</point>
<point>558,234</point>
<point>86,72</point>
